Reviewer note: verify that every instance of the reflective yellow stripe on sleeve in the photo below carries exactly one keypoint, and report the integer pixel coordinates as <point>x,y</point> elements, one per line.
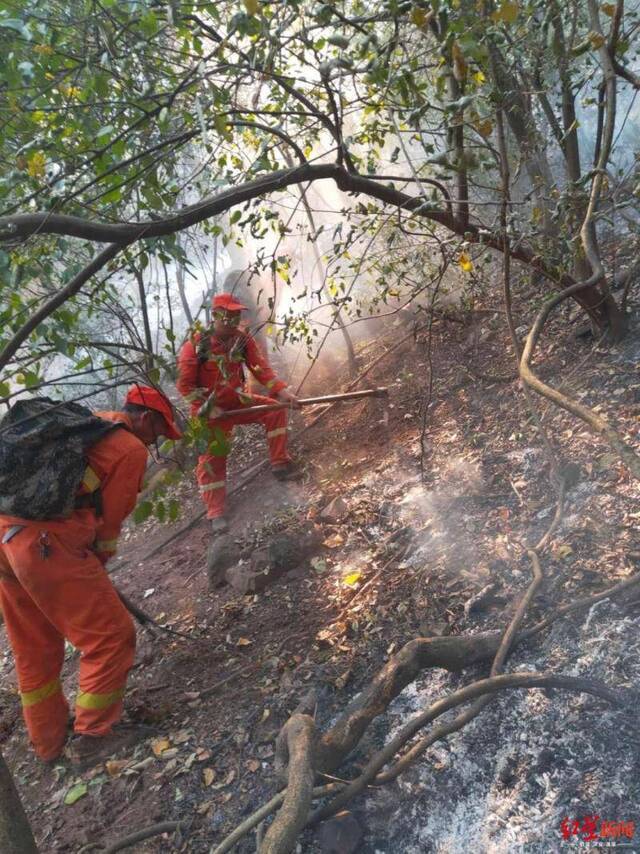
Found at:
<point>106,545</point>
<point>209,487</point>
<point>30,698</point>
<point>90,480</point>
<point>86,700</point>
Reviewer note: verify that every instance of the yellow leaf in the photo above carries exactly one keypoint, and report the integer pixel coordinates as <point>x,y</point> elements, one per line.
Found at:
<point>252,6</point>
<point>596,39</point>
<point>243,642</point>
<point>484,127</point>
<point>352,579</point>
<point>43,49</point>
<point>507,13</point>
<point>563,551</point>
<point>479,78</point>
<point>159,745</point>
<point>208,775</point>
<point>420,17</point>
<point>36,164</point>
<point>465,262</point>
<point>609,9</point>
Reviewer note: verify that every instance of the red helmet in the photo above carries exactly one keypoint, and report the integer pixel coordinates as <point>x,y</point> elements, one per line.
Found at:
<point>227,302</point>
<point>151,398</point>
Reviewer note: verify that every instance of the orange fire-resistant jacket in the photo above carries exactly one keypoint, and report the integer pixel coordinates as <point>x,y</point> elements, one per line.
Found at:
<point>220,369</point>
<point>119,462</point>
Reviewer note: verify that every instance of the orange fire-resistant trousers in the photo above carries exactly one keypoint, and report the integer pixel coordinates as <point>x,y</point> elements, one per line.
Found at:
<point>211,471</point>
<point>53,587</point>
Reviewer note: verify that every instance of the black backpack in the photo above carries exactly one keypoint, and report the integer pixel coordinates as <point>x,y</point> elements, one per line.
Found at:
<point>43,462</point>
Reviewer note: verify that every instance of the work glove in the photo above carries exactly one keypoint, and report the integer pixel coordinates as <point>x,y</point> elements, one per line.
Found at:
<point>289,397</point>
<point>209,410</point>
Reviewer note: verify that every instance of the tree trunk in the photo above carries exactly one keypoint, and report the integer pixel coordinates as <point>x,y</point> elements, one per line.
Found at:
<point>15,831</point>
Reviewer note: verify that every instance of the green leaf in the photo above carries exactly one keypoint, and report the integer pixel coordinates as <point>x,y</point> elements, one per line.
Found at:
<point>75,793</point>
<point>5,389</point>
<point>235,216</point>
<point>149,24</point>
<point>339,41</point>
<point>142,512</point>
<point>174,509</point>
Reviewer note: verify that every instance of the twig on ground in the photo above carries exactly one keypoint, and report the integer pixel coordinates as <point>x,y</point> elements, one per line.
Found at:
<point>141,835</point>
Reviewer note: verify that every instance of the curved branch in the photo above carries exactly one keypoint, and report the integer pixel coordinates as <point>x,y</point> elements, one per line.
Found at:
<point>469,692</point>
<point>298,735</point>
<point>276,132</point>
<point>22,226</point>
<point>56,301</point>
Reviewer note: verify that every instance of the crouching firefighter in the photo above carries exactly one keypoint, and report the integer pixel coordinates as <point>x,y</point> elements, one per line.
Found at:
<point>211,377</point>
<point>68,479</point>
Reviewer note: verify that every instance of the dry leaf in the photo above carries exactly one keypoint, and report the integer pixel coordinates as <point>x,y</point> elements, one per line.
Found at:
<point>253,765</point>
<point>243,642</point>
<point>208,775</point>
<point>159,745</point>
<point>114,767</point>
<point>181,736</point>
<point>202,754</point>
<point>334,541</point>
<point>169,754</point>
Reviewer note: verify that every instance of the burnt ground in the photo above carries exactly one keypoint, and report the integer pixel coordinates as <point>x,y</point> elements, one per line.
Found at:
<point>445,555</point>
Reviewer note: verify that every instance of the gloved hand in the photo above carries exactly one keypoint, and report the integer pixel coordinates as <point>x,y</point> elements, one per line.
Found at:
<point>209,410</point>
<point>289,397</point>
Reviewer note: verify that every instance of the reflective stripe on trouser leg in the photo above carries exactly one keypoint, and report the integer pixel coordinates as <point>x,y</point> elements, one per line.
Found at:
<point>87,700</point>
<point>47,720</point>
<point>275,424</point>
<point>211,475</point>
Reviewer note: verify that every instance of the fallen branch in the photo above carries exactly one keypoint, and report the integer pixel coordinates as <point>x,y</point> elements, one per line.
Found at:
<point>140,835</point>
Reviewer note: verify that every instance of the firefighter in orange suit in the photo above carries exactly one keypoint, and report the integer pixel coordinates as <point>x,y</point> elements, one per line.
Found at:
<point>211,377</point>
<point>53,585</point>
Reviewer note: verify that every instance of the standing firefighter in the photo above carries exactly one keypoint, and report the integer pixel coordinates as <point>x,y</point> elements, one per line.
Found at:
<point>68,479</point>
<point>211,376</point>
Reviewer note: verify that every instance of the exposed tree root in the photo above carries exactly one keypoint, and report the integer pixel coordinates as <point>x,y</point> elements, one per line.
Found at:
<point>469,692</point>
<point>264,811</point>
<point>450,653</point>
<point>297,740</point>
